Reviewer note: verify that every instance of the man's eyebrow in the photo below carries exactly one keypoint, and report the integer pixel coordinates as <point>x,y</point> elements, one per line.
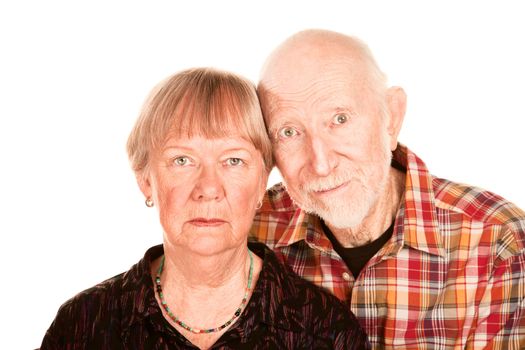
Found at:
<point>335,107</point>
<point>273,128</point>
<point>342,108</point>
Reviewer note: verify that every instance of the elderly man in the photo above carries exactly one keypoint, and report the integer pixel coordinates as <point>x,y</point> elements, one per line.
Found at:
<point>424,263</point>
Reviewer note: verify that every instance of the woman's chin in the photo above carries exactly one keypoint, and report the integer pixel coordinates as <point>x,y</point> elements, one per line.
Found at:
<point>208,245</point>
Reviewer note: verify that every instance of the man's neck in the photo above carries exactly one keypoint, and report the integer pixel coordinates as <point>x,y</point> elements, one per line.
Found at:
<point>378,219</point>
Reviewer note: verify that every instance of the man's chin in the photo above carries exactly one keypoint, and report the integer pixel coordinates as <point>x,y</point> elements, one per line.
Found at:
<point>339,214</point>
<point>333,210</point>
<point>345,224</point>
<point>340,221</point>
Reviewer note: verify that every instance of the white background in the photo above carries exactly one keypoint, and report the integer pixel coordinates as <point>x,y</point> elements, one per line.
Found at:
<point>73,76</point>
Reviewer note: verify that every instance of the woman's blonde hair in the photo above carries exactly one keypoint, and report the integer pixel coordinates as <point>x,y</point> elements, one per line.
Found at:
<point>201,101</point>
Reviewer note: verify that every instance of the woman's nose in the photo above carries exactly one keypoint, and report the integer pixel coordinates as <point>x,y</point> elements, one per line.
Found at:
<point>208,186</point>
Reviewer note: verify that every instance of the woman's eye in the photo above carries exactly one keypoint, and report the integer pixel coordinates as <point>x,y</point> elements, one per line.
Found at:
<point>181,161</point>
<point>287,132</point>
<point>340,119</point>
<point>234,161</point>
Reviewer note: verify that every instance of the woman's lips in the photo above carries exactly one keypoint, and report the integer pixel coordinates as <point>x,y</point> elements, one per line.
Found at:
<point>203,222</point>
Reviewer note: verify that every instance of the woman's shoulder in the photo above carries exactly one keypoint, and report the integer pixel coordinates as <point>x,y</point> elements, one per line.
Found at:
<point>91,303</point>
<point>110,293</point>
<point>104,307</point>
<point>93,298</point>
<point>83,314</point>
<point>299,305</point>
<point>294,291</point>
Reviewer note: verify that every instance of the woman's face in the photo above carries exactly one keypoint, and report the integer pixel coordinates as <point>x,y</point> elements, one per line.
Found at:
<point>206,191</point>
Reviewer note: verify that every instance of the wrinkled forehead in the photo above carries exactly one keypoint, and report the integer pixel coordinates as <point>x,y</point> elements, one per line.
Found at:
<point>325,87</point>
<point>304,60</point>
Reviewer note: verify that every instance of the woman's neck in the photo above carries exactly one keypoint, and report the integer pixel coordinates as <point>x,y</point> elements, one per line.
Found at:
<point>205,291</point>
<point>198,272</point>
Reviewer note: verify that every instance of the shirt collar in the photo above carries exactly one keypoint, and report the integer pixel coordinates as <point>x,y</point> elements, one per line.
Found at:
<point>296,223</point>
<point>305,227</point>
<point>416,221</point>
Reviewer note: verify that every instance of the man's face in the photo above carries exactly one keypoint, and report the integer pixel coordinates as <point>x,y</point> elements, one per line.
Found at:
<point>330,142</point>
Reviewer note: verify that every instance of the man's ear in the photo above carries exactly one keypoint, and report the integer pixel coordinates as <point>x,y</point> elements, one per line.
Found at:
<point>396,103</point>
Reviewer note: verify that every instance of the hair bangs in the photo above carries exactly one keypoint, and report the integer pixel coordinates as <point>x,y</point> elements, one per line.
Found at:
<point>213,110</point>
<point>199,102</point>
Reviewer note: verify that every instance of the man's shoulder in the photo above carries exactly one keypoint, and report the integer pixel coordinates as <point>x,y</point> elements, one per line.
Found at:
<point>476,203</point>
<point>480,207</point>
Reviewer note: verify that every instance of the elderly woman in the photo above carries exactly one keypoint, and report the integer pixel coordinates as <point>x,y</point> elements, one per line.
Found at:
<point>202,157</point>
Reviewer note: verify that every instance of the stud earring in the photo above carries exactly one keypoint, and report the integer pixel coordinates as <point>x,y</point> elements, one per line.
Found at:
<point>149,202</point>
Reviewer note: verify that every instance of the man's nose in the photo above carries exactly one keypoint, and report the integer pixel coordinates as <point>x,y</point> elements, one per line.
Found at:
<point>209,185</point>
<point>323,159</point>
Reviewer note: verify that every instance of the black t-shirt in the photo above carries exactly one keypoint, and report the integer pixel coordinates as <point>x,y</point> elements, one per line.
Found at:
<point>357,257</point>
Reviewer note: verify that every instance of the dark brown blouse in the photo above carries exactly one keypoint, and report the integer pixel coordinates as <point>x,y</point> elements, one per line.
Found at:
<point>284,312</point>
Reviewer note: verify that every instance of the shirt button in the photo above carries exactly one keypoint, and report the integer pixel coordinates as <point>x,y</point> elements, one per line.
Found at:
<point>346,276</point>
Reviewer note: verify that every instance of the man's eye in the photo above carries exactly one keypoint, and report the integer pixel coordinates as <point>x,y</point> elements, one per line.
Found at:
<point>181,161</point>
<point>234,161</point>
<point>287,132</point>
<point>340,119</point>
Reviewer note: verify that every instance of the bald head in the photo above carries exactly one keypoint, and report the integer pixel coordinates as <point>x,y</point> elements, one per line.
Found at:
<point>313,52</point>
<point>333,124</point>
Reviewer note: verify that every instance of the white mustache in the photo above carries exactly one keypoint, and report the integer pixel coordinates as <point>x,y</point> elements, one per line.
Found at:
<point>328,183</point>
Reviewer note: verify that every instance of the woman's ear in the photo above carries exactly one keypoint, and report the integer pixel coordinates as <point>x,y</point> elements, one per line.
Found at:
<point>396,103</point>
<point>144,183</point>
<point>263,185</point>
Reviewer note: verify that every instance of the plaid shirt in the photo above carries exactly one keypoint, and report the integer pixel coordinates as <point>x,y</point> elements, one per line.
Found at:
<point>451,277</point>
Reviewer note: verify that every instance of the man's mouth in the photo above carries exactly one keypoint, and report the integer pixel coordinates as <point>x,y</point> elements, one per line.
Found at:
<point>331,190</point>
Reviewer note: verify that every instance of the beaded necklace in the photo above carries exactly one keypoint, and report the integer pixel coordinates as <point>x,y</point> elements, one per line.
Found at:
<point>209,330</point>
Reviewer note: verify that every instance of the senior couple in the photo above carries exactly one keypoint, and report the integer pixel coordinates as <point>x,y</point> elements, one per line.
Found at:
<point>401,259</point>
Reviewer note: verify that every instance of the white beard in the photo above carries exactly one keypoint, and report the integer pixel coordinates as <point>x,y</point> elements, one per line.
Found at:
<point>348,213</point>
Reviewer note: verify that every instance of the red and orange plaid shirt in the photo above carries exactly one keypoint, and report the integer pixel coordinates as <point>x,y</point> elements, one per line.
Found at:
<point>451,277</point>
